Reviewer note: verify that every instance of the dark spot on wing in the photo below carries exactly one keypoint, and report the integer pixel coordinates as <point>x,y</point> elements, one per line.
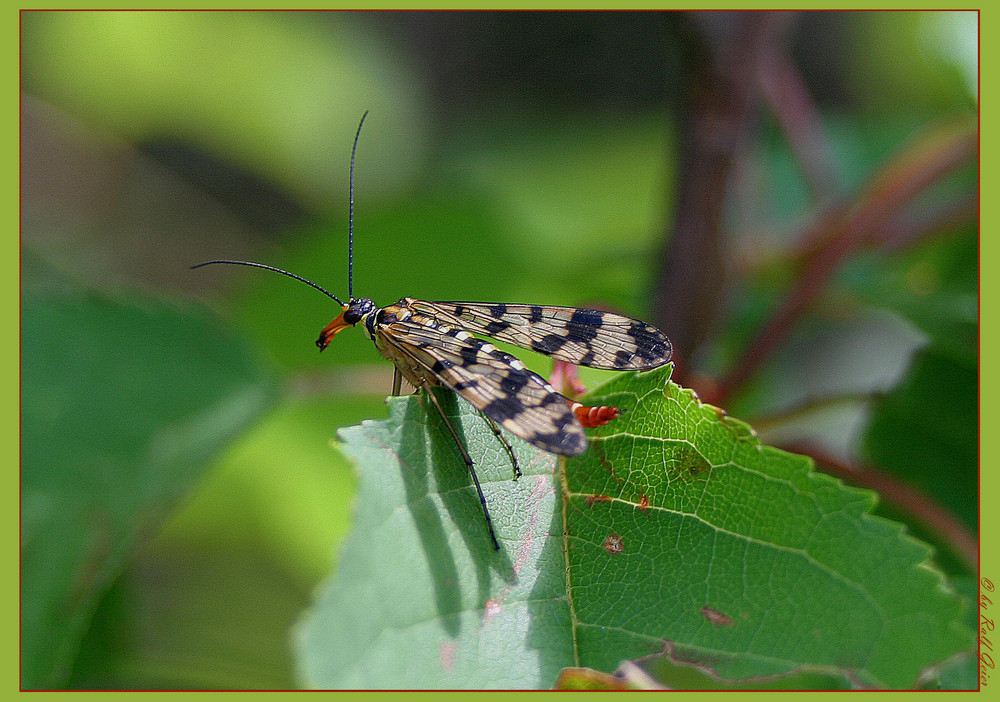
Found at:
<point>441,365</point>
<point>584,324</point>
<point>652,346</point>
<point>512,384</point>
<point>564,443</point>
<point>495,327</point>
<point>555,398</point>
<point>503,408</point>
<point>498,310</point>
<point>535,314</point>
<point>470,355</point>
<point>548,344</point>
<point>623,357</point>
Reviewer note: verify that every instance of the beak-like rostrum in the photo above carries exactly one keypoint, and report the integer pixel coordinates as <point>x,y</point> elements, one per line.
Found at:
<point>331,330</point>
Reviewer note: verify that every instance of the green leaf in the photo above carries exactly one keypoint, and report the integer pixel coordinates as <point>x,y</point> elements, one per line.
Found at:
<point>124,401</point>
<point>676,533</point>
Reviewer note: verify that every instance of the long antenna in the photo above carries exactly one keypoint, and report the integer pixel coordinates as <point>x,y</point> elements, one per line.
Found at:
<point>276,270</point>
<point>350,216</point>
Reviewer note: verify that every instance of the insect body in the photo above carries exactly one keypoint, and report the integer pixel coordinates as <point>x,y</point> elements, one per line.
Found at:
<point>432,343</point>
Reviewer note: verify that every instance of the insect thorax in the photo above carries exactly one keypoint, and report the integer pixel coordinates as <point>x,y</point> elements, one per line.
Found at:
<point>415,374</point>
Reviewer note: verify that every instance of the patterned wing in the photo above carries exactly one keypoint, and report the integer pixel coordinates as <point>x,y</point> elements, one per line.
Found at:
<point>576,335</point>
<point>494,382</point>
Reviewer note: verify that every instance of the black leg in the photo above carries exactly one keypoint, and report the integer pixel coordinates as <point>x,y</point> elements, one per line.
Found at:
<point>468,461</point>
<point>506,445</point>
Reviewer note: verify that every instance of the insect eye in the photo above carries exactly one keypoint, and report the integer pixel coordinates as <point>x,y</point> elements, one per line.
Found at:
<point>357,310</point>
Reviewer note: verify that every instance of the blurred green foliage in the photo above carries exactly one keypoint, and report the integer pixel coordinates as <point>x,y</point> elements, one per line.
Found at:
<point>271,92</point>
<point>213,539</point>
<point>118,420</point>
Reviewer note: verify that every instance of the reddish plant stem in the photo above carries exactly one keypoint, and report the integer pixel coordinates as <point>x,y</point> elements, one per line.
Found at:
<point>913,231</point>
<point>790,102</point>
<point>718,108</point>
<point>921,164</point>
<point>845,229</point>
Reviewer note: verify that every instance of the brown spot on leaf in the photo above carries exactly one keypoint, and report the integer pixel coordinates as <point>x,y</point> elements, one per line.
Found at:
<point>591,499</point>
<point>643,503</point>
<point>715,617</point>
<point>598,448</point>
<point>614,544</point>
<point>686,463</point>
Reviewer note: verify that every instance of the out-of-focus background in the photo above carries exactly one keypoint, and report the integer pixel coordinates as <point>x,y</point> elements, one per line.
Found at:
<point>791,197</point>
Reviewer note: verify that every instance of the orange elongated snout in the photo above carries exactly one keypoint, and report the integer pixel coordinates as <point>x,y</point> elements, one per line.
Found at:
<point>354,312</point>
<point>332,329</point>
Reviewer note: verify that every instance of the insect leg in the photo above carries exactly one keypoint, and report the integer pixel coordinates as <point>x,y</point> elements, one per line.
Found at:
<point>397,381</point>
<point>465,457</point>
<point>506,445</point>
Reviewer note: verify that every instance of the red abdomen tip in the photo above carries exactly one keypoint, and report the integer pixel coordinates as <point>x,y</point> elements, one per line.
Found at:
<point>591,417</point>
